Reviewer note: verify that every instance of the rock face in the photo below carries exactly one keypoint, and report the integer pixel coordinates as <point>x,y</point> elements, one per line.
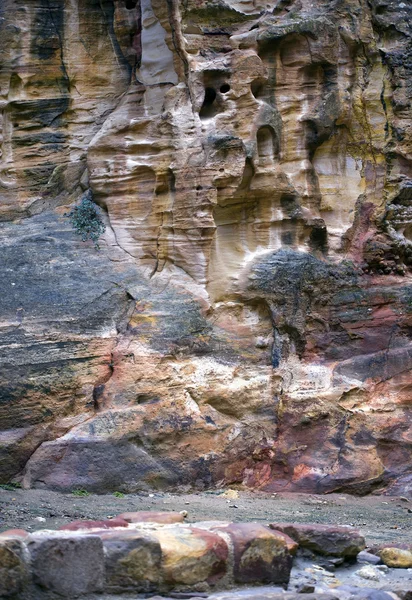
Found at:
<point>248,318</point>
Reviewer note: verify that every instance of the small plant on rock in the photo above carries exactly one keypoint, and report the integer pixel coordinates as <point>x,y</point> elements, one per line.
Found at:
<point>81,493</point>
<point>10,487</point>
<point>86,220</point>
<point>118,494</point>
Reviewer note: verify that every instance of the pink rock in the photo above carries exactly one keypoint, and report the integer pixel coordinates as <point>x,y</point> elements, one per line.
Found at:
<point>106,524</point>
<point>152,517</point>
<point>15,533</point>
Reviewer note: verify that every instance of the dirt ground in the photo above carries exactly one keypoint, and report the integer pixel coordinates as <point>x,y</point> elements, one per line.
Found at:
<point>379,518</point>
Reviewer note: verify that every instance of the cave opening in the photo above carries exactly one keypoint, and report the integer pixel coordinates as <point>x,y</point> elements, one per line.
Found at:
<point>259,89</point>
<point>208,108</point>
<point>318,240</point>
<point>290,206</point>
<point>216,85</point>
<point>131,4</point>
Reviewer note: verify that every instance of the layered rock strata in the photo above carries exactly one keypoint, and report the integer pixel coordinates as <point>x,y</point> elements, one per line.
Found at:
<point>248,317</point>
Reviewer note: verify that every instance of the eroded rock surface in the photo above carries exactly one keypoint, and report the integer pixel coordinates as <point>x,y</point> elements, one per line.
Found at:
<point>248,317</point>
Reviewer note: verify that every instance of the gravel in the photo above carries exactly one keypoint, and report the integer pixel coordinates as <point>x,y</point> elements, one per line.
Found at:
<point>379,518</point>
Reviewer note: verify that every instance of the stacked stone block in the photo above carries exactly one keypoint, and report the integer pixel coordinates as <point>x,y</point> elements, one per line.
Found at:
<point>146,553</point>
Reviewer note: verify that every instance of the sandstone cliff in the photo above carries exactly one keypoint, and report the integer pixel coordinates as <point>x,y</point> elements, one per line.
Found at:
<point>248,318</point>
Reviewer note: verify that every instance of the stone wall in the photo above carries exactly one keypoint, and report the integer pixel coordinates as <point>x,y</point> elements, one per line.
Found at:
<point>138,558</point>
<point>248,317</point>
<point>156,552</point>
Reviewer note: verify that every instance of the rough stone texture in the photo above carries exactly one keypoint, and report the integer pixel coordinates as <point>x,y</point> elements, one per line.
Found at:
<point>132,561</point>
<point>67,566</point>
<point>324,539</point>
<point>248,317</point>
<point>191,556</point>
<point>291,545</point>
<point>369,572</point>
<point>13,572</point>
<point>259,553</point>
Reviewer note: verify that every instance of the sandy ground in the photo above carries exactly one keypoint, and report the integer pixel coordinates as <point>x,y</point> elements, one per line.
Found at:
<point>379,518</point>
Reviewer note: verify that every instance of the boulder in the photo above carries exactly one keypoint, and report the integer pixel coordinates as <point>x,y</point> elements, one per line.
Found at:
<point>324,539</point>
<point>260,555</point>
<point>368,557</point>
<point>396,557</point>
<point>191,555</point>
<point>369,572</point>
<point>132,561</point>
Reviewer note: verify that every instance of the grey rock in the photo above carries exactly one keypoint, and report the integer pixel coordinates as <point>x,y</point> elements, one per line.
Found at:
<point>382,568</point>
<point>347,592</point>
<point>324,539</point>
<point>368,572</point>
<point>330,564</point>
<point>67,565</point>
<point>404,591</point>
<point>368,557</point>
<point>305,588</point>
<point>300,581</point>
<point>187,595</point>
<point>270,593</point>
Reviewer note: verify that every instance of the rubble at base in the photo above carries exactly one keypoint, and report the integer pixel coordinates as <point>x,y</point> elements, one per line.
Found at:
<point>165,556</point>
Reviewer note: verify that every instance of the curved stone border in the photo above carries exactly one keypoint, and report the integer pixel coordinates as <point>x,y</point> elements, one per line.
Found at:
<point>153,552</point>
